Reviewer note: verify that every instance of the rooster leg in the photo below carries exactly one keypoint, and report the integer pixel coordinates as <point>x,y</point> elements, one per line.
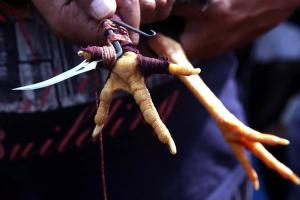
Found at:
<point>238,135</point>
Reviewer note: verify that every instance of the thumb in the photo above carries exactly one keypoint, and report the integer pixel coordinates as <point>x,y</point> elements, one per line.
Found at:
<point>98,9</point>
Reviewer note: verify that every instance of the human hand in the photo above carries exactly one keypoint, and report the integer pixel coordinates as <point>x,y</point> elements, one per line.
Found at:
<point>134,12</point>
<point>227,24</point>
<point>77,20</point>
<point>155,10</point>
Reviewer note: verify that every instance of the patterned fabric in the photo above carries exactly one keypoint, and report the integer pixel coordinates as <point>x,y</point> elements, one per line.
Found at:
<point>29,53</point>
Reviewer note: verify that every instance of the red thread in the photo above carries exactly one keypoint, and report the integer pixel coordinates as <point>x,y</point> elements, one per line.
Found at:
<point>102,168</point>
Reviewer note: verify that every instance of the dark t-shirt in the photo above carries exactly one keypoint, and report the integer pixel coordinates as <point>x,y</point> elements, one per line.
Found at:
<point>45,146</point>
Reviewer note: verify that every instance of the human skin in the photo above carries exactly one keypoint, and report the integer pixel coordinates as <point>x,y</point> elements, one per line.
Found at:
<point>228,24</point>
<point>224,26</point>
<point>78,20</point>
<point>72,20</point>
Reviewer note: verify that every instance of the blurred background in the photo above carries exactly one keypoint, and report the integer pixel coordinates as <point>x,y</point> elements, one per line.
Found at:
<point>269,87</point>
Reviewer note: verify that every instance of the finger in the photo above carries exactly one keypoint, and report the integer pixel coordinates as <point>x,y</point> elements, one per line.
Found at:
<point>182,10</point>
<point>129,11</point>
<point>98,9</point>
<point>258,150</point>
<point>163,9</point>
<point>147,5</point>
<point>251,173</point>
<point>147,10</point>
<point>256,136</point>
<point>161,3</point>
<point>68,20</point>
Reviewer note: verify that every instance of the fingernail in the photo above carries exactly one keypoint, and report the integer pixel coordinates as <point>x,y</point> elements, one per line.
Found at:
<point>103,8</point>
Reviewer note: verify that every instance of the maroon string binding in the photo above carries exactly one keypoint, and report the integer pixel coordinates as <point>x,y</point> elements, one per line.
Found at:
<point>106,53</point>
<point>95,51</point>
<point>149,66</point>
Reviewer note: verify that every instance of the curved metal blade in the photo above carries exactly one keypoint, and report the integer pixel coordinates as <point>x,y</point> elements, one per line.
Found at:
<point>81,68</point>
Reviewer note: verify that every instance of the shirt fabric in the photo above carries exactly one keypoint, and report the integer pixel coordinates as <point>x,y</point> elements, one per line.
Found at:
<point>45,146</point>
